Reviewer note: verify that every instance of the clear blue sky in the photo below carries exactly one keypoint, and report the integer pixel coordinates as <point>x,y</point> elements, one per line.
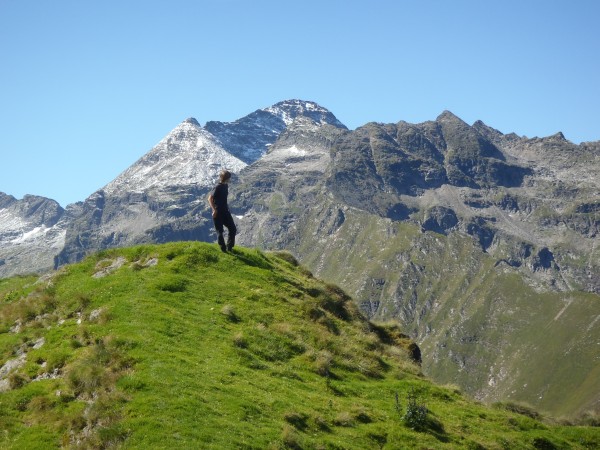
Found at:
<point>88,87</point>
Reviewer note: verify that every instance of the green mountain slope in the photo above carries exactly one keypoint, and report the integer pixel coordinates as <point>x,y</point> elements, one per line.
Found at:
<point>182,346</point>
<point>478,322</point>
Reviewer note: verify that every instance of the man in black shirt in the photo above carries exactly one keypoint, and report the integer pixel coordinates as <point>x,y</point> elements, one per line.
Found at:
<point>220,211</point>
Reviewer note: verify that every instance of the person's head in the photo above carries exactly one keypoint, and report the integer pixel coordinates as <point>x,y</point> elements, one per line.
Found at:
<point>224,176</point>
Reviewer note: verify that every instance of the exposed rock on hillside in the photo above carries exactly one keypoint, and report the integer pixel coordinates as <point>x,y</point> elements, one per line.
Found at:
<point>440,220</point>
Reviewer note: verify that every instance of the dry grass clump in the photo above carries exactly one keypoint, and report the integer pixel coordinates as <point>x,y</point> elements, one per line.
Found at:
<point>284,328</point>
<point>519,408</point>
<point>323,363</point>
<point>229,312</point>
<point>296,419</point>
<point>239,340</point>
<point>287,257</point>
<point>344,419</point>
<point>98,369</point>
<point>290,438</point>
<point>24,311</point>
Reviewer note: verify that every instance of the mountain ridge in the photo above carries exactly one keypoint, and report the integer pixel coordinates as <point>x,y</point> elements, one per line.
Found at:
<point>408,218</point>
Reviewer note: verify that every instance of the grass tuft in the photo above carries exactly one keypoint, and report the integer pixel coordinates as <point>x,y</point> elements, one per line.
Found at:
<point>290,438</point>
<point>296,419</point>
<point>229,312</point>
<point>287,257</point>
<point>519,408</point>
<point>344,419</point>
<point>239,340</point>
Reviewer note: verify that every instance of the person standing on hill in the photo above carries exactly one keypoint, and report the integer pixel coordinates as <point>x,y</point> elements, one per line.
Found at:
<point>220,211</point>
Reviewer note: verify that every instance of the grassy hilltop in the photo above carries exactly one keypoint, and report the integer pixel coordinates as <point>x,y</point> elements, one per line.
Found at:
<point>180,346</point>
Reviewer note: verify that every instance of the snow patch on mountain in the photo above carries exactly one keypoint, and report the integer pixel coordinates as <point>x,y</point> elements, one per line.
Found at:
<point>15,229</point>
<point>11,225</point>
<point>188,155</point>
<point>31,234</point>
<point>297,159</point>
<point>292,151</point>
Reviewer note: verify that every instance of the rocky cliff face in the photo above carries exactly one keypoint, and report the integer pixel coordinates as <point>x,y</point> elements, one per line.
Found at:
<point>375,165</point>
<point>32,231</point>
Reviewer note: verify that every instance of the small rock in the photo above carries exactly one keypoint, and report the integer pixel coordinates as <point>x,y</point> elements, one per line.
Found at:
<point>95,314</point>
<point>48,376</point>
<point>151,262</point>
<point>17,327</point>
<point>104,271</point>
<point>38,344</point>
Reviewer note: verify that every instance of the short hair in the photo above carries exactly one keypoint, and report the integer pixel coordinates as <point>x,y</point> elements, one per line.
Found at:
<point>224,175</point>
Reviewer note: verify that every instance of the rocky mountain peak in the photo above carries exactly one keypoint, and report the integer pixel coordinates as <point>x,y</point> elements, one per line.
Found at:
<point>31,233</point>
<point>32,208</point>
<point>6,200</point>
<point>250,137</point>
<point>192,121</point>
<point>449,117</point>
<point>558,137</point>
<point>489,133</point>
<point>480,125</point>
<point>288,110</point>
<point>188,155</point>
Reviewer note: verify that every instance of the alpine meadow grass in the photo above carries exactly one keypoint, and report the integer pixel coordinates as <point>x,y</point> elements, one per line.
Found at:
<point>181,346</point>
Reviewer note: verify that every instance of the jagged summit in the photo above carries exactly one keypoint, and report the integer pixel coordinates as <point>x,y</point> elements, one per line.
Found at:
<point>482,124</point>
<point>448,116</point>
<point>492,134</point>
<point>249,138</point>
<point>288,110</point>
<point>558,137</point>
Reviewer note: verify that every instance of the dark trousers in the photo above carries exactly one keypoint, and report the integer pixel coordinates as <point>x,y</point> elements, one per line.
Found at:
<point>224,218</point>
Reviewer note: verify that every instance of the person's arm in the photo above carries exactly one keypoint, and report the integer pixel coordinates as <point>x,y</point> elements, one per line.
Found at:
<point>211,202</point>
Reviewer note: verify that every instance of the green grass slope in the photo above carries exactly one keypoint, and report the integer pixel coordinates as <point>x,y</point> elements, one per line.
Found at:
<point>180,346</point>
<point>480,324</point>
